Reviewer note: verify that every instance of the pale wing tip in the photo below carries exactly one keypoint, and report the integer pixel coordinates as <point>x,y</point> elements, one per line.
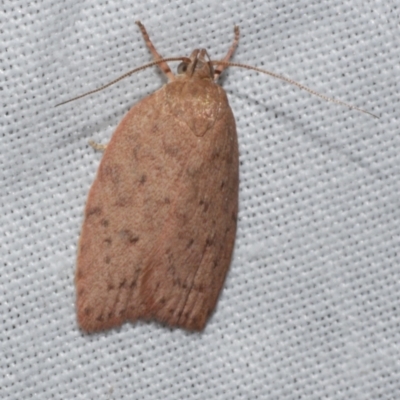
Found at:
<point>92,317</point>
<point>91,324</point>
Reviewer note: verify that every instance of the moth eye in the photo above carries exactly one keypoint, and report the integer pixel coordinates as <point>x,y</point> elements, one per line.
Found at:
<point>182,67</point>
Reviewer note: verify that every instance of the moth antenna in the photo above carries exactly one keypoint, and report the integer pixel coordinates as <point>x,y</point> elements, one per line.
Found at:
<point>292,82</point>
<point>162,60</point>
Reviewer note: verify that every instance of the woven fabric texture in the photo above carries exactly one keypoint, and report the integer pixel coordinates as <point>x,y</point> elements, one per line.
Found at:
<point>310,308</point>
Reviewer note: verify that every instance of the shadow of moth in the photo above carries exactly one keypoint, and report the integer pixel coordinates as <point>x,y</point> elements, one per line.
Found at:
<point>160,219</point>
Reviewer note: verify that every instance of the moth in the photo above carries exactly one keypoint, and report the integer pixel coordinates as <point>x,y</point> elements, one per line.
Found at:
<point>160,219</point>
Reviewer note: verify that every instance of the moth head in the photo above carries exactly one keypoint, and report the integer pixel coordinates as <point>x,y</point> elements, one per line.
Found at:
<point>198,65</point>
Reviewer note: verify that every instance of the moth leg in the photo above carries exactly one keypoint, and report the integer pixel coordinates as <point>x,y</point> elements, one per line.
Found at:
<point>219,68</point>
<point>97,146</point>
<point>163,65</point>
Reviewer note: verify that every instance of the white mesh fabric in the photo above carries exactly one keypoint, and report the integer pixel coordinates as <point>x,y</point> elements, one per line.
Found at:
<point>310,309</point>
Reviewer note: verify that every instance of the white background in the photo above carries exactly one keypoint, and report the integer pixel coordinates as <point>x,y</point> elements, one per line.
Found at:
<point>310,308</point>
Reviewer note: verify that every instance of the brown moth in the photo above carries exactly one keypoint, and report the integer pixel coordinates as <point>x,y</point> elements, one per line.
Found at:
<point>160,219</point>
